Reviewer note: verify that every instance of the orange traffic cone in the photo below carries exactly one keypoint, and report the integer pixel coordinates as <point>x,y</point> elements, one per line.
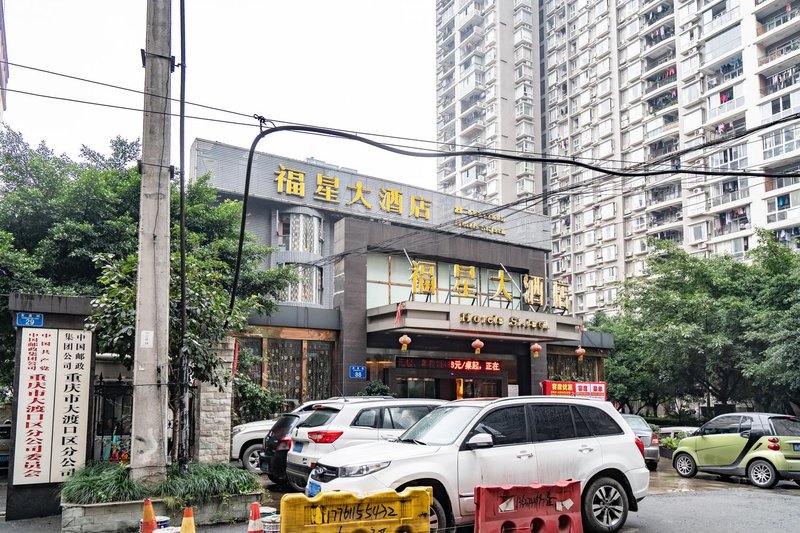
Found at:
<point>255,525</point>
<point>187,526</point>
<point>148,517</point>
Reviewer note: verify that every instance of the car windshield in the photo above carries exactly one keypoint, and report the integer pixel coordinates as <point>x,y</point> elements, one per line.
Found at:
<point>786,427</point>
<point>441,426</point>
<point>637,422</point>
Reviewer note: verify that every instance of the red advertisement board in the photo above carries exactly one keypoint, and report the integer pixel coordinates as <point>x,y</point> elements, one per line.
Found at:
<point>595,390</point>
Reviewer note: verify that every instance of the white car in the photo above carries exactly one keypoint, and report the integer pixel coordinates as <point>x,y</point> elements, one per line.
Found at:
<point>506,441</point>
<point>351,421</point>
<point>247,440</point>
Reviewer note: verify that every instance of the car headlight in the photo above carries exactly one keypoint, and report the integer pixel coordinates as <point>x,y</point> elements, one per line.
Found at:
<point>362,470</point>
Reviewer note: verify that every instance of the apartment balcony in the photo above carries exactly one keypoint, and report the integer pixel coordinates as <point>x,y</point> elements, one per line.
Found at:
<point>726,73</point>
<point>720,21</point>
<point>472,126</point>
<point>767,6</point>
<point>777,26</point>
<point>735,226</point>
<point>659,63</point>
<point>661,149</point>
<point>725,130</point>
<point>781,80</point>
<point>672,235</point>
<point>664,219</point>
<point>651,15</point>
<point>661,197</point>
<point>666,129</point>
<point>730,196</point>
<point>781,142</point>
<point>469,14</point>
<point>782,215</point>
<point>779,56</point>
<point>444,173</point>
<point>473,33</point>
<point>662,101</point>
<point>725,108</point>
<point>471,85</point>
<point>445,119</point>
<point>658,40</point>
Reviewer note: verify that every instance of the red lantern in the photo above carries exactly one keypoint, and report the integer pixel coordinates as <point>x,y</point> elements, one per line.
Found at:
<point>405,340</point>
<point>535,349</point>
<point>580,351</point>
<point>477,344</point>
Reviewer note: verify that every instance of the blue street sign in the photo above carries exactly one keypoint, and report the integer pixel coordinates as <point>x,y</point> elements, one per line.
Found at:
<point>358,372</point>
<point>30,320</point>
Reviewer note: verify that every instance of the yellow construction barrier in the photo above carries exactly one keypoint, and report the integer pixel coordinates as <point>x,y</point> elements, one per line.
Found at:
<point>346,512</point>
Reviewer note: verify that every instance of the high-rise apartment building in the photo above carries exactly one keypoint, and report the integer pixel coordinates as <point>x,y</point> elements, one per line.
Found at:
<point>647,84</point>
<point>488,96</point>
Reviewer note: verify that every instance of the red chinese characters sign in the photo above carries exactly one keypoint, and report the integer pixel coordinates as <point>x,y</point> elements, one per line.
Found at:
<point>473,365</point>
<point>53,406</point>
<point>595,390</point>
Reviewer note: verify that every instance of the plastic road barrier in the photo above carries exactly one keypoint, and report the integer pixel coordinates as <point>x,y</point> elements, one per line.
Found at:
<point>346,512</point>
<point>537,508</point>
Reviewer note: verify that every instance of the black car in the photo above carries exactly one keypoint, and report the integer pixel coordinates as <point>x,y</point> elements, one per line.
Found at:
<point>277,443</point>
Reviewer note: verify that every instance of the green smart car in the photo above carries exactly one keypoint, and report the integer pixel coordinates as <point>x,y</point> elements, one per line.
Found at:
<point>764,447</point>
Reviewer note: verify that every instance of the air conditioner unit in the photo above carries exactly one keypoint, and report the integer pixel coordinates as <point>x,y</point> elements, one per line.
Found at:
<point>697,190</point>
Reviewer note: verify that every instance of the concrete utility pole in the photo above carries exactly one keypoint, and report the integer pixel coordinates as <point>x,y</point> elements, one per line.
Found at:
<point>151,357</point>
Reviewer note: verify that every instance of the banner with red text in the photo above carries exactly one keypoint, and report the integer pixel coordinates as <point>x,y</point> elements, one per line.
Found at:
<point>596,390</point>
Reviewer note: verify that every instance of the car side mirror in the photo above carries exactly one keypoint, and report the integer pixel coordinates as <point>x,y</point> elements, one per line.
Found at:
<point>480,440</point>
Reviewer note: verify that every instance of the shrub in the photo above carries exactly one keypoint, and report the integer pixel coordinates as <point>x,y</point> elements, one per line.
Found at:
<point>669,443</point>
<point>111,482</point>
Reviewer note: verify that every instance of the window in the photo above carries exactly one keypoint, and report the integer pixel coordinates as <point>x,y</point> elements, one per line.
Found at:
<point>300,233</point>
<point>403,417</point>
<point>599,422</point>
<point>367,418</point>
<point>308,288</point>
<point>506,426</point>
<point>552,422</point>
<point>722,425</point>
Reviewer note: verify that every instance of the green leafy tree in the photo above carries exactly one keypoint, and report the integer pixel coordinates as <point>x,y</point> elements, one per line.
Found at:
<point>254,402</point>
<point>375,387</point>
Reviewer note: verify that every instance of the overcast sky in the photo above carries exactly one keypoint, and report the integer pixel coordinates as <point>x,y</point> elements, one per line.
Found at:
<point>363,65</point>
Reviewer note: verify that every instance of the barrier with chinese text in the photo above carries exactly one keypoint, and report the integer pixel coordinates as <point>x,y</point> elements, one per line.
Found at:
<point>537,508</point>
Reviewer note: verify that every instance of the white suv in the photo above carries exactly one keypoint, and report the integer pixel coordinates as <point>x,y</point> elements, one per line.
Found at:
<point>507,441</point>
<point>337,425</point>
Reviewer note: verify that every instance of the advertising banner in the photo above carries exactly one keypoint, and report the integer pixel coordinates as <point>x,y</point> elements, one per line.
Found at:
<point>595,390</point>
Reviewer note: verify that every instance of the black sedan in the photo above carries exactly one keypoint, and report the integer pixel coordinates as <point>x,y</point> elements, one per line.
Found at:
<point>277,443</point>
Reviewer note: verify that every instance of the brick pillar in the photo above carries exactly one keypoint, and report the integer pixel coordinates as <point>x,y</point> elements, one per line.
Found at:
<point>212,412</point>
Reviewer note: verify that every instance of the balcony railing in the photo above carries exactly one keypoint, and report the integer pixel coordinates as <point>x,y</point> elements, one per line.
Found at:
<point>656,222</point>
<point>721,19</point>
<point>658,36</point>
<point>779,20</point>
<point>782,80</point>
<point>784,49</point>
<point>732,227</point>
<point>730,105</point>
<point>728,197</point>
<point>782,141</point>
<point>663,102</point>
<point>661,129</point>
<point>652,85</point>
<point>784,214</point>
<point>654,17</point>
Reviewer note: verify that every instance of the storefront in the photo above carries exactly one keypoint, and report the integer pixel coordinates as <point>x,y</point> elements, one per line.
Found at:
<point>461,282</point>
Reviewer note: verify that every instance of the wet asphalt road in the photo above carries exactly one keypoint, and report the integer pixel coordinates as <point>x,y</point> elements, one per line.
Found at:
<point>675,505</point>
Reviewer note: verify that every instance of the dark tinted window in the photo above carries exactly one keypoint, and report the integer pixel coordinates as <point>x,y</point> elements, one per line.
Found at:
<point>552,422</point>
<point>722,425</point>
<point>319,417</point>
<point>506,426</point>
<point>581,429</point>
<point>599,422</point>
<point>786,427</point>
<point>283,425</point>
<point>367,418</point>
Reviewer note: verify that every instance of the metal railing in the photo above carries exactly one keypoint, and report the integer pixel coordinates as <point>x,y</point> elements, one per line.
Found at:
<point>785,49</point>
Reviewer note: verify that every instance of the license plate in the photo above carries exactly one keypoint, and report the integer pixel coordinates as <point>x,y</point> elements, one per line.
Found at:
<point>312,489</point>
<point>297,447</point>
<point>796,447</point>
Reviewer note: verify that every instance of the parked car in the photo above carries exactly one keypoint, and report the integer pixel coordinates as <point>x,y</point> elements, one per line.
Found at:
<point>648,437</point>
<point>674,432</point>
<point>333,427</point>
<point>277,443</point>
<point>247,440</point>
<point>514,440</point>
<point>763,447</point>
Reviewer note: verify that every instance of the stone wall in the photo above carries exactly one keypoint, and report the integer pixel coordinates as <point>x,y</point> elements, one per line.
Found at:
<point>212,440</point>
<point>125,516</point>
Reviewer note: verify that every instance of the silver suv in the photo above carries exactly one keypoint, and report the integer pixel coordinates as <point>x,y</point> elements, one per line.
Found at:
<point>337,425</point>
<point>506,441</point>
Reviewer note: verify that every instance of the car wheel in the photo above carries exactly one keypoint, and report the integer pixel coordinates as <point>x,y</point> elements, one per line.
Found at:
<point>250,459</point>
<point>762,474</point>
<point>685,465</point>
<point>605,506</point>
<point>281,483</point>
<point>438,517</point>
<point>652,465</point>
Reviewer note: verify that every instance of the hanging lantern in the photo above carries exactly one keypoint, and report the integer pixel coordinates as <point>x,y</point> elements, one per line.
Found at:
<point>477,344</point>
<point>580,351</point>
<point>535,349</point>
<point>405,340</point>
